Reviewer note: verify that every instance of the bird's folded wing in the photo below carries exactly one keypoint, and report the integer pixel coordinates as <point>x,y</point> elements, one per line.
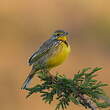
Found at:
<point>44,49</point>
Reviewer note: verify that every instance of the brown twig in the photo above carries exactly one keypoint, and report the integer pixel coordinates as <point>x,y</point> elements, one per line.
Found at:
<point>87,102</point>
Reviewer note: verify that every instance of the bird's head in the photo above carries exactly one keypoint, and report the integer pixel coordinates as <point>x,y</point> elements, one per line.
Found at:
<point>60,35</point>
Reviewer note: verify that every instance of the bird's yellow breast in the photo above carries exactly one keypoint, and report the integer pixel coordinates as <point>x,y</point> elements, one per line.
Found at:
<point>59,56</point>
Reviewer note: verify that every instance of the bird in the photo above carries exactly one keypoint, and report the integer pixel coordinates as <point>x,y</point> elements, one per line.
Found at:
<point>51,53</point>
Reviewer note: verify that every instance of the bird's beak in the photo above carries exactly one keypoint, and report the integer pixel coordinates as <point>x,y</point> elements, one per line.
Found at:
<point>66,33</point>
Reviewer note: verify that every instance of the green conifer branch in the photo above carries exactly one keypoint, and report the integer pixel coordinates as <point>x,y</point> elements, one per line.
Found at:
<point>81,89</point>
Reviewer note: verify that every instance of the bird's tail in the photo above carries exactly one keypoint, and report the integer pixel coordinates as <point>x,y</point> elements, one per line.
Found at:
<point>28,79</point>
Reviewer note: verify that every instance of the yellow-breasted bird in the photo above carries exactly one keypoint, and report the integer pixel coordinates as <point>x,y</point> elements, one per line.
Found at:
<point>51,53</point>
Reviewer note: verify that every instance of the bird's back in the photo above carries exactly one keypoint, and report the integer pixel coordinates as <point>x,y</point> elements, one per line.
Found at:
<point>42,51</point>
<point>52,53</point>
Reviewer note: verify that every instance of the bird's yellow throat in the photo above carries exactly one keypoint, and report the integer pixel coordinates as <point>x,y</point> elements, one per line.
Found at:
<point>63,38</point>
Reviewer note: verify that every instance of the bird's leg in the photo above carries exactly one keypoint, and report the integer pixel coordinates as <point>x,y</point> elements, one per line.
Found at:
<point>43,74</point>
<point>48,74</point>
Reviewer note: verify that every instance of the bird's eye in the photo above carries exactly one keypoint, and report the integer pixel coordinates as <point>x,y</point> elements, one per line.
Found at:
<point>58,34</point>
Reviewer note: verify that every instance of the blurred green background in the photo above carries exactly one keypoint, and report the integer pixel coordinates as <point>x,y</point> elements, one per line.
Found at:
<point>25,24</point>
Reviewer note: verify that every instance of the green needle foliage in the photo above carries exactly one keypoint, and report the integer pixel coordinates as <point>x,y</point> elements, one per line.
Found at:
<point>81,89</point>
